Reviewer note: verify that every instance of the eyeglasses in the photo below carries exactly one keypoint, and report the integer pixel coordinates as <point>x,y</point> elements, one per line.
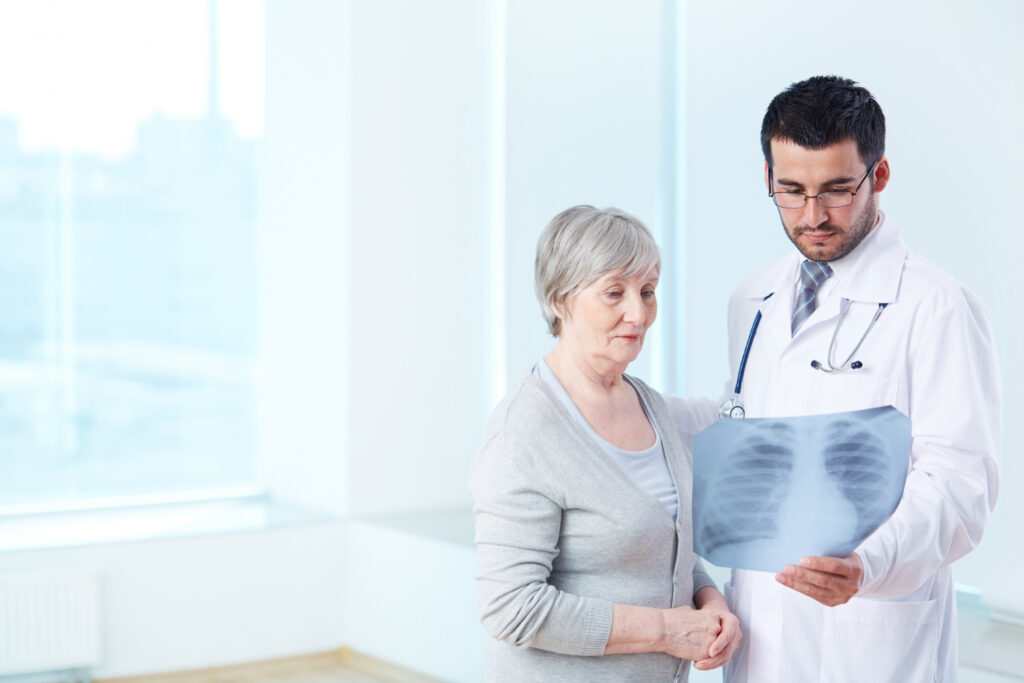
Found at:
<point>833,199</point>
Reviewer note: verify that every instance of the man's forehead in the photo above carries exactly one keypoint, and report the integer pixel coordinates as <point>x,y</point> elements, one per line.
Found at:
<point>790,160</point>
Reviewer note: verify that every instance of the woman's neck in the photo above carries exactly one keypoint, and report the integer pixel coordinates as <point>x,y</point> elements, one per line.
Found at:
<point>582,376</point>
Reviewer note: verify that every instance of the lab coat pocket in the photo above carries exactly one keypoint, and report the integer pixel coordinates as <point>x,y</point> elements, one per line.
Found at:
<point>880,641</point>
<point>840,392</point>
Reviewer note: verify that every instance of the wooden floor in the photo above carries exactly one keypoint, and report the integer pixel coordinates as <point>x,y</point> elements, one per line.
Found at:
<point>341,666</point>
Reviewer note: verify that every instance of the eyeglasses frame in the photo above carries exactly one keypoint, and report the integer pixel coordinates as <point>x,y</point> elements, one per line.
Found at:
<point>772,192</point>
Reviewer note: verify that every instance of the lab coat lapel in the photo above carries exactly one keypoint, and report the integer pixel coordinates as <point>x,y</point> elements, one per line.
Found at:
<point>873,276</point>
<point>876,268</point>
<point>779,282</point>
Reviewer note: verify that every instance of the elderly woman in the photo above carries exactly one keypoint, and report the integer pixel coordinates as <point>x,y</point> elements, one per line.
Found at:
<point>582,487</point>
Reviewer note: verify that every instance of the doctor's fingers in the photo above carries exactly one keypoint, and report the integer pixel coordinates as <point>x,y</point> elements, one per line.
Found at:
<point>845,578</point>
<point>828,589</point>
<point>843,566</point>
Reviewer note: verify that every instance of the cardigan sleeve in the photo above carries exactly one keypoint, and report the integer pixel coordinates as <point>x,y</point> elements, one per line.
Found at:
<point>701,578</point>
<point>518,521</point>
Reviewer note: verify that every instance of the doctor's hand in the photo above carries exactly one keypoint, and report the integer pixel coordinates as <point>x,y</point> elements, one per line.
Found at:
<point>712,602</point>
<point>829,580</point>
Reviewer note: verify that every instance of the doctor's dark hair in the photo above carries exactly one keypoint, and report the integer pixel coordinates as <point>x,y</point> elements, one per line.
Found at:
<point>822,111</point>
<point>581,245</point>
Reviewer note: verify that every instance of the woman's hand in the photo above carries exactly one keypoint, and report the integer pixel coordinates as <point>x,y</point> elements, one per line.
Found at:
<point>689,633</point>
<point>713,604</point>
<point>682,632</point>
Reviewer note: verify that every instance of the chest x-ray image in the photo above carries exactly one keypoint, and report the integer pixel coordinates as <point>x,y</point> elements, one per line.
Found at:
<point>768,491</point>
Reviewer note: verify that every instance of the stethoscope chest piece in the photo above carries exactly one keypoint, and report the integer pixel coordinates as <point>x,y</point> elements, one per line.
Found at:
<point>732,408</point>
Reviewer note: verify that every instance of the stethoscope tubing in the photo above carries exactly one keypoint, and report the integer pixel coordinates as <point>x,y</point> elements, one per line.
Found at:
<point>746,349</point>
<point>844,307</point>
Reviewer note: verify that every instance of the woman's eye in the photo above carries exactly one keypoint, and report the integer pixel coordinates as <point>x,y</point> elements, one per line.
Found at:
<point>614,294</point>
<point>647,294</point>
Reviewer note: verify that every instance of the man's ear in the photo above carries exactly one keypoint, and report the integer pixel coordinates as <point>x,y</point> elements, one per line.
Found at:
<point>882,174</point>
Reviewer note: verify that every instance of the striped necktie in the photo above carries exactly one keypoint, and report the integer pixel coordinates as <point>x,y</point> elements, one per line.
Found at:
<point>812,275</point>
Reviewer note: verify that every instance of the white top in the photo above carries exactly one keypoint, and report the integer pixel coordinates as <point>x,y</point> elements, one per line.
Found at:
<point>647,469</point>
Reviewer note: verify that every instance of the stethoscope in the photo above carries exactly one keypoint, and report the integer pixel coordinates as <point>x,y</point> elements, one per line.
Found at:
<point>733,407</point>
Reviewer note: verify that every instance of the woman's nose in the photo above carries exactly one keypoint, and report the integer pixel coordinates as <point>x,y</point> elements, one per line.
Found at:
<point>635,311</point>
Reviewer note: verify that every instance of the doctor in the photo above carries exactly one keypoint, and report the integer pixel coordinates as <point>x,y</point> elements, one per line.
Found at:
<point>852,319</point>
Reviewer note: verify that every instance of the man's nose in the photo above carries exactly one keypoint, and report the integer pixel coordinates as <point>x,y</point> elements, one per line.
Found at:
<point>814,213</point>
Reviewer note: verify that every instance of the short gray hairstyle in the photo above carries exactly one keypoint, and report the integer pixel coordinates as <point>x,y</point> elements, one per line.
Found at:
<point>582,244</point>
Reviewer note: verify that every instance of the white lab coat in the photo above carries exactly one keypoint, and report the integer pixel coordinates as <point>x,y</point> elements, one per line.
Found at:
<point>932,356</point>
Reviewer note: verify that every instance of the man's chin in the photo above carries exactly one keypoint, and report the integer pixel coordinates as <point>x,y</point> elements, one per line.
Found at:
<point>818,252</point>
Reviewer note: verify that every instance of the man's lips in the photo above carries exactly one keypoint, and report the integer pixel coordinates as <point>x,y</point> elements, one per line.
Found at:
<point>817,236</point>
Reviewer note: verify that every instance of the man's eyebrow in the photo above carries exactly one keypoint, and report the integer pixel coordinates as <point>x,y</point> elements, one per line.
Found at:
<point>833,181</point>
<point>840,181</point>
<point>786,181</point>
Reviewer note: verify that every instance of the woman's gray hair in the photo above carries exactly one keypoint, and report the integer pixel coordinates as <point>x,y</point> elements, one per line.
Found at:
<point>582,244</point>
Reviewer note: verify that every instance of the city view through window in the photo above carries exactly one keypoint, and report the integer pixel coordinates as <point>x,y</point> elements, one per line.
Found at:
<point>128,248</point>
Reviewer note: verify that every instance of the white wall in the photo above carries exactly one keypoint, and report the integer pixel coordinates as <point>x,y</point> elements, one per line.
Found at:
<point>948,76</point>
<point>305,309</point>
<point>413,602</point>
<point>587,87</point>
<point>418,322</point>
<point>191,603</point>
<point>375,319</point>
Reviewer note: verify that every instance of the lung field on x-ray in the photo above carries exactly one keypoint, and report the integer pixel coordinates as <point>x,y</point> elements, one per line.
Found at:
<point>862,470</point>
<point>769,491</point>
<point>745,498</point>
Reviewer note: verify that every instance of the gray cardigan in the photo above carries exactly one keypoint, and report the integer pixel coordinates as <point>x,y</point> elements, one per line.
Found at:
<point>562,533</point>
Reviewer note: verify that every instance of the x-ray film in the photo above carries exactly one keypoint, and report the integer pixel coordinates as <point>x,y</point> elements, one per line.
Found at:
<point>768,491</point>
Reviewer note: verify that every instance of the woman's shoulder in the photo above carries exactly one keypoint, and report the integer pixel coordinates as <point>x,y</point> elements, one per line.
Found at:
<point>525,420</point>
<point>523,410</point>
<point>521,430</point>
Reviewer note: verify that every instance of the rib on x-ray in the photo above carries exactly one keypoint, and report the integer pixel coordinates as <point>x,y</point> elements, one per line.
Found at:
<point>769,491</point>
<point>747,495</point>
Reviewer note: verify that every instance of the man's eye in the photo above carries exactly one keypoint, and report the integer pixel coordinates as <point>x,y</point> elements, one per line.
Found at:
<point>837,193</point>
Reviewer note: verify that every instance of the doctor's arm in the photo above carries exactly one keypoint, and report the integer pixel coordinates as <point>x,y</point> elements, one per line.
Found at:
<point>955,408</point>
<point>691,415</point>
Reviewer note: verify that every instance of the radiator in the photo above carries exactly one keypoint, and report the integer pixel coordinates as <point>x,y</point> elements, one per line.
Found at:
<point>49,621</point>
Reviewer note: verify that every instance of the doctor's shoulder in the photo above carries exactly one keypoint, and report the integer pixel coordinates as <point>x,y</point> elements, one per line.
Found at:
<point>748,295</point>
<point>932,292</point>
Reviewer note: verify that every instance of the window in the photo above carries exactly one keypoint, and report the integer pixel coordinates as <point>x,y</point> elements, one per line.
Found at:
<point>130,138</point>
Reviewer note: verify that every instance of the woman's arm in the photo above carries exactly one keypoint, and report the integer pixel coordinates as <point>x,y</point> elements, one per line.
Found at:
<point>518,523</point>
<point>681,632</point>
